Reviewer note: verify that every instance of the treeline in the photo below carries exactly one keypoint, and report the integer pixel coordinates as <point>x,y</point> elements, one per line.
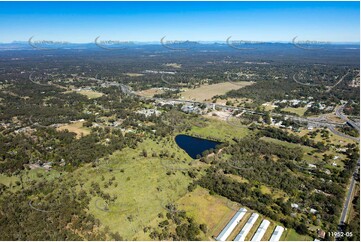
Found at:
<point>285,136</point>
<point>262,164</point>
<point>186,229</point>
<point>49,145</point>
<point>45,211</point>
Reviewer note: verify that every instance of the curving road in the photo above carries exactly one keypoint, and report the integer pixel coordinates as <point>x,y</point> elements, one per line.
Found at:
<point>304,84</point>
<point>339,113</point>
<point>349,197</point>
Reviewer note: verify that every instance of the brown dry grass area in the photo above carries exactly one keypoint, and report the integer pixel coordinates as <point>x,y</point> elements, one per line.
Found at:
<point>90,94</point>
<point>220,115</point>
<point>174,65</point>
<point>134,74</point>
<point>206,92</point>
<point>76,127</point>
<point>150,92</point>
<point>205,208</point>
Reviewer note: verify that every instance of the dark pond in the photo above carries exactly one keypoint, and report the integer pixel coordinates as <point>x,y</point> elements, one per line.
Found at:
<point>194,146</point>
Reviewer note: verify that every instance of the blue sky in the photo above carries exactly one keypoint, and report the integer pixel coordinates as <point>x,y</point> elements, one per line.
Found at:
<point>197,21</point>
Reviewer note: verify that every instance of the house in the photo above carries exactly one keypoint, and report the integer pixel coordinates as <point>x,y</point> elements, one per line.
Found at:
<point>312,166</point>
<point>149,112</point>
<point>313,211</point>
<point>321,234</point>
<point>294,205</point>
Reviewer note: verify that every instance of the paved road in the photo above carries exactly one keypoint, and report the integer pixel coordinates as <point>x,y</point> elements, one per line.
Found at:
<point>313,121</point>
<point>329,88</point>
<point>304,84</point>
<point>339,113</point>
<point>349,197</point>
<point>341,79</point>
<point>336,132</point>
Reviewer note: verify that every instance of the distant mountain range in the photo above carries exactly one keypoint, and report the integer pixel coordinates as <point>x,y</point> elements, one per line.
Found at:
<point>25,45</point>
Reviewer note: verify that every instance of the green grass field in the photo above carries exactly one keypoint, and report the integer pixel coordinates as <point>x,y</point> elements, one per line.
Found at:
<point>299,111</point>
<point>288,144</point>
<point>220,130</point>
<point>208,209</point>
<point>142,190</point>
<point>291,235</point>
<point>38,174</point>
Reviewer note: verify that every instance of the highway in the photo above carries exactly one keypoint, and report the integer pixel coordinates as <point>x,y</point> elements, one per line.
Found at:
<point>349,197</point>
<point>336,132</point>
<point>339,113</point>
<point>317,121</point>
<point>313,121</point>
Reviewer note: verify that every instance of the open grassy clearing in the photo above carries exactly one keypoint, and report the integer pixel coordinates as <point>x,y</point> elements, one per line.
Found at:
<point>288,144</point>
<point>76,127</point>
<point>150,92</point>
<point>143,187</point>
<point>235,102</point>
<point>219,130</point>
<point>237,178</point>
<point>291,235</point>
<point>90,94</point>
<point>306,149</point>
<point>134,74</point>
<point>299,111</point>
<point>268,106</point>
<point>26,176</point>
<point>311,158</point>
<point>206,92</point>
<point>205,208</point>
<point>174,65</point>
<point>216,211</point>
<point>335,139</point>
<point>8,180</point>
<point>275,193</point>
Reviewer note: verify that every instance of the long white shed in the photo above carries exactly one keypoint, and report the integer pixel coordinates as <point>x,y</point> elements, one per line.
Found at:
<point>277,233</point>
<point>231,225</point>
<point>261,230</point>
<point>247,227</point>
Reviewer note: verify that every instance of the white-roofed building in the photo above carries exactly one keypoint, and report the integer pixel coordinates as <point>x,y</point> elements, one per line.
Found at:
<point>294,205</point>
<point>277,233</point>
<point>261,230</point>
<point>231,225</point>
<point>247,227</point>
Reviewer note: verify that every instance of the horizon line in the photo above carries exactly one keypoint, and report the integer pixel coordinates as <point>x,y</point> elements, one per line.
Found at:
<point>194,41</point>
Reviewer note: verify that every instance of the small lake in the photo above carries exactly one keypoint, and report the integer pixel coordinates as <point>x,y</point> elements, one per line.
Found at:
<point>194,146</point>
